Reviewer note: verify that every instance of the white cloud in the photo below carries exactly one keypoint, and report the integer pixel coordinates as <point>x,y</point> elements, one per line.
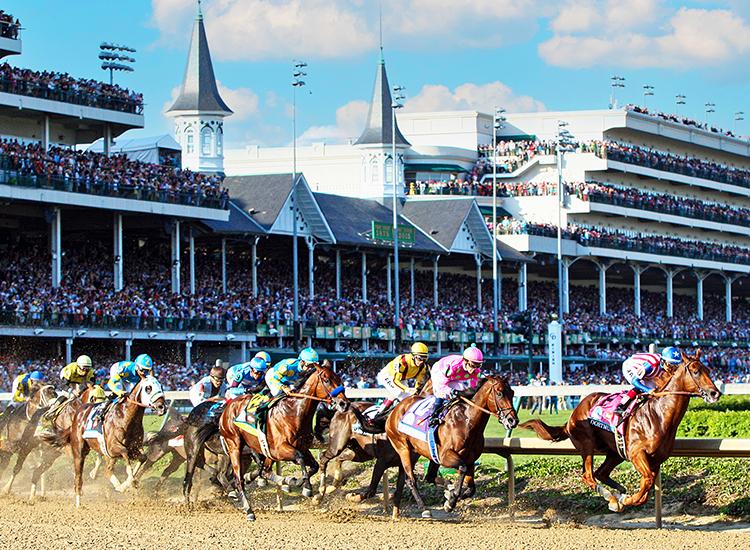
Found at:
<point>243,101</point>
<point>350,121</point>
<point>480,97</point>
<point>690,38</point>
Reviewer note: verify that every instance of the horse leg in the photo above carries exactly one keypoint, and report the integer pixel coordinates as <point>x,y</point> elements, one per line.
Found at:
<point>4,459</point>
<point>604,471</point>
<point>190,464</point>
<point>588,470</point>
<point>234,448</point>
<point>94,473</point>
<point>431,474</point>
<point>309,466</point>
<point>80,450</point>
<point>648,476</point>
<point>23,452</point>
<point>398,494</point>
<point>49,456</point>
<point>407,461</point>
<point>455,493</point>
<point>378,470</point>
<point>171,468</point>
<point>125,485</point>
<point>110,471</point>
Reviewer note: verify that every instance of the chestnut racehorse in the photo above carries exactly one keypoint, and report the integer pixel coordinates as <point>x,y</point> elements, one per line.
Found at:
<point>649,435</point>
<point>123,433</point>
<point>288,430</point>
<point>460,439</point>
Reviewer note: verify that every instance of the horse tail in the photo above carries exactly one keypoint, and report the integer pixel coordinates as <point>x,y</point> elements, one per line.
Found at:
<point>206,431</point>
<point>545,431</point>
<point>56,438</point>
<point>374,427</point>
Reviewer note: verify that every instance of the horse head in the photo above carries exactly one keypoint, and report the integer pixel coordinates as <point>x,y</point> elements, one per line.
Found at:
<point>43,395</point>
<point>325,384</point>
<point>496,395</point>
<point>694,377</point>
<point>151,394</point>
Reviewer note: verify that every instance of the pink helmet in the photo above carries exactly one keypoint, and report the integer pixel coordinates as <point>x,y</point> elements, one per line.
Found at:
<point>473,354</point>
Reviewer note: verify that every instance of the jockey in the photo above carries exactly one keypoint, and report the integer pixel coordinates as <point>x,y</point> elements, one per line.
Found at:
<point>23,385</point>
<point>642,369</point>
<point>245,378</point>
<point>208,388</point>
<point>123,376</point>
<point>263,355</point>
<point>78,376</point>
<point>453,374</point>
<point>409,366</point>
<point>286,372</point>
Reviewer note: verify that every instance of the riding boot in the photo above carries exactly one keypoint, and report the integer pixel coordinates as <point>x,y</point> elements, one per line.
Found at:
<point>625,402</point>
<point>436,412</point>
<point>382,409</point>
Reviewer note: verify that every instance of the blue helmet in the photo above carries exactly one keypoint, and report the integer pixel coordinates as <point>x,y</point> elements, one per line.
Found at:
<point>144,362</point>
<point>263,355</point>
<point>36,375</point>
<point>671,355</point>
<point>258,364</point>
<point>308,355</point>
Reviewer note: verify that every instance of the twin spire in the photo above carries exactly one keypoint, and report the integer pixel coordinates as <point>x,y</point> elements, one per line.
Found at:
<point>379,129</point>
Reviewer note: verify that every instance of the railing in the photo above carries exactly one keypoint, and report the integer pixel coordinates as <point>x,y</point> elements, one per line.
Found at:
<point>9,176</point>
<point>9,29</point>
<point>87,99</point>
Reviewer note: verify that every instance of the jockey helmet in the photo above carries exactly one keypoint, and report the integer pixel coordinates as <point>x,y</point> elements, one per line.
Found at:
<point>258,365</point>
<point>144,362</point>
<point>263,355</point>
<point>308,355</point>
<point>217,373</point>
<point>671,355</point>
<point>419,349</point>
<point>83,362</point>
<point>474,354</point>
<point>97,394</point>
<point>36,375</point>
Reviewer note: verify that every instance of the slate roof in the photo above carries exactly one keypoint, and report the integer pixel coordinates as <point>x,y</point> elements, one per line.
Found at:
<point>239,223</point>
<point>379,129</point>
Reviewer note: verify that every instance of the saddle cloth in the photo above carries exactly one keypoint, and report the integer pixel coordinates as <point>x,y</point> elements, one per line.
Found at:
<point>369,412</point>
<point>247,419</point>
<point>93,427</point>
<point>415,423</point>
<point>176,442</point>
<point>603,415</point>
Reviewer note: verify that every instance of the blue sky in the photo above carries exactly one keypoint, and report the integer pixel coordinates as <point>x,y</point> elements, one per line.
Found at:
<point>450,54</point>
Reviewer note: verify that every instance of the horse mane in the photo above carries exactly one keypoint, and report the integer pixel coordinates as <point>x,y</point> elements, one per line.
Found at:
<point>305,376</point>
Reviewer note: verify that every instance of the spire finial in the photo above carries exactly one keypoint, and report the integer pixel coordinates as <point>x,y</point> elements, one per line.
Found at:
<point>382,58</point>
<point>199,12</point>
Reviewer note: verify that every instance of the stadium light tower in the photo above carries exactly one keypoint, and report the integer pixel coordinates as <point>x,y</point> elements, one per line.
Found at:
<point>679,100</point>
<point>738,116</point>
<point>616,82</point>
<point>710,108</point>
<point>564,144</point>
<point>115,58</point>
<point>498,123</point>
<point>298,72</point>
<point>396,103</point>
<point>648,90</point>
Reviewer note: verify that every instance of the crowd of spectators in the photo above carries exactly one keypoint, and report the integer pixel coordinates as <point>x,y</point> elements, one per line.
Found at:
<point>66,88</point>
<point>90,172</point>
<point>679,119</point>
<point>9,26</point>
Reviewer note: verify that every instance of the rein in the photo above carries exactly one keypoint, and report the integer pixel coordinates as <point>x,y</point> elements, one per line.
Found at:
<point>496,415</point>
<point>327,400</point>
<point>664,393</point>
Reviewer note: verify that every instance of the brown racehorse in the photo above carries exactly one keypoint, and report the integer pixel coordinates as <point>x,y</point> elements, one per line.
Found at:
<point>288,432</point>
<point>19,423</point>
<point>649,435</point>
<point>344,444</point>
<point>123,433</point>
<point>460,439</point>
<point>156,446</point>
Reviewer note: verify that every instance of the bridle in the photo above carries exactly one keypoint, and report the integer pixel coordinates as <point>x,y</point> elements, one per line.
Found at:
<point>487,411</point>
<point>686,366</point>
<point>136,401</point>
<point>328,400</point>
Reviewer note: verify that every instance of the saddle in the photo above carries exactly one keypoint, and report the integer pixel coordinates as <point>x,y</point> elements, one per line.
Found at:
<point>606,415</point>
<point>415,423</point>
<point>253,417</point>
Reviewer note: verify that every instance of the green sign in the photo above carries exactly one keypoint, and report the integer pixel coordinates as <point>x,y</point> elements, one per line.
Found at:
<point>384,232</point>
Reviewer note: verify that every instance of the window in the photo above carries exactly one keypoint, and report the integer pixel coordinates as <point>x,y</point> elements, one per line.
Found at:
<point>375,171</point>
<point>389,170</point>
<point>189,142</point>
<point>219,136</point>
<point>207,138</point>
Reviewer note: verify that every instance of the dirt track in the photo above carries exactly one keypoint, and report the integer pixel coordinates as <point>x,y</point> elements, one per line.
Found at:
<point>140,523</point>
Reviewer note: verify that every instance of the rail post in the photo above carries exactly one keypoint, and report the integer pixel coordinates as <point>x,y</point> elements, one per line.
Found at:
<point>511,485</point>
<point>279,493</point>
<point>657,500</point>
<point>386,492</point>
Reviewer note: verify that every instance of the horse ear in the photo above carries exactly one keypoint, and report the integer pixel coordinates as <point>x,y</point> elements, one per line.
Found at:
<point>698,354</point>
<point>684,357</point>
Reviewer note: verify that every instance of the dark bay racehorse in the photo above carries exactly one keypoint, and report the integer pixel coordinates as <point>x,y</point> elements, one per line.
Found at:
<point>289,430</point>
<point>19,423</point>
<point>345,444</point>
<point>156,446</point>
<point>649,435</point>
<point>460,439</point>
<point>123,433</point>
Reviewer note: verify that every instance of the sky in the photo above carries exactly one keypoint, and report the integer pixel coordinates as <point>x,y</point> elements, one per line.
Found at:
<point>523,55</point>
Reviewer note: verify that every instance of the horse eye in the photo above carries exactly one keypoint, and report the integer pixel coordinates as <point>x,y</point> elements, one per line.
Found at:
<point>148,389</point>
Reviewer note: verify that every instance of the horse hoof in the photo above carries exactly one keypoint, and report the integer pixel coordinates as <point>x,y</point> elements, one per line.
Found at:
<point>330,489</point>
<point>426,514</point>
<point>317,499</point>
<point>250,516</point>
<point>285,487</point>
<point>395,513</point>
<point>233,494</point>
<point>614,505</point>
<point>354,497</point>
<point>447,507</point>
<point>260,482</point>
<point>307,492</point>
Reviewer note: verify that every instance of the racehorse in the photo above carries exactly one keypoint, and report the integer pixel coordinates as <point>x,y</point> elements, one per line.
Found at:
<point>345,444</point>
<point>156,446</point>
<point>122,433</point>
<point>19,423</point>
<point>288,430</point>
<point>460,439</point>
<point>649,434</point>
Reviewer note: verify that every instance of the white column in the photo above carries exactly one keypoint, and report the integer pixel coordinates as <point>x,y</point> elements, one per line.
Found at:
<point>411,287</point>
<point>670,292</point>
<point>243,351</point>
<point>637,270</point>
<point>192,262</point>
<point>388,278</point>
<point>255,266</point>
<point>45,132</point>
<point>499,287</point>
<point>224,265</point>
<point>176,257</point>
<point>566,263</point>
<point>478,260</point>
<point>523,297</point>
<point>699,293</point>
<point>108,140</point>
<point>56,247</point>
<point>128,348</point>
<point>310,266</point>
<point>188,354</point>
<point>68,350</point>
<point>728,280</point>
<point>435,280</point>
<point>602,287</point>
<point>364,277</point>
<point>118,265</point>
<point>338,274</point>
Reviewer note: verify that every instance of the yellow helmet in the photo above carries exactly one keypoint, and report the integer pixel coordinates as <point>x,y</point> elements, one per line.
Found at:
<point>96,394</point>
<point>83,362</point>
<point>418,348</point>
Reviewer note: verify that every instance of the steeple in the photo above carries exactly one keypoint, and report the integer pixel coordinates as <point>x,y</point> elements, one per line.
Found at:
<point>378,130</point>
<point>199,91</point>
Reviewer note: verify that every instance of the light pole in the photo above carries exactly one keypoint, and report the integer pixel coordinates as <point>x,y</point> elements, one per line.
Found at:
<point>710,108</point>
<point>398,97</point>
<point>498,120</point>
<point>679,100</point>
<point>297,74</point>
<point>648,90</point>
<point>564,140</point>
<point>617,82</point>
<point>114,60</point>
<point>738,116</point>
